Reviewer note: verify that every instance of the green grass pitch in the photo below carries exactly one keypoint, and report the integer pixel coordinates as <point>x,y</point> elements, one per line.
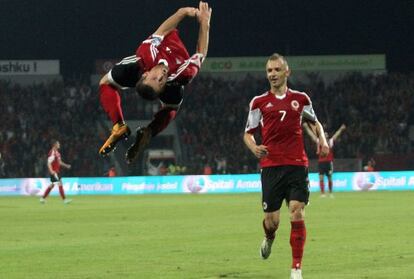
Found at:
<point>355,235</point>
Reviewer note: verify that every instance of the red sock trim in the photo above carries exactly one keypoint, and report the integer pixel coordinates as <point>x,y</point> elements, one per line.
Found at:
<point>62,192</point>
<point>322,186</point>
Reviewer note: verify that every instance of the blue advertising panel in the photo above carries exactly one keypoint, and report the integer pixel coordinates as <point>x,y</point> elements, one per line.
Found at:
<point>242,183</point>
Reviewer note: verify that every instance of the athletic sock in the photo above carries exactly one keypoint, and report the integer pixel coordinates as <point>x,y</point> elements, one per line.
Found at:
<point>47,191</point>
<point>111,103</point>
<point>322,186</point>
<point>62,192</point>
<point>161,120</point>
<point>330,186</point>
<point>297,242</point>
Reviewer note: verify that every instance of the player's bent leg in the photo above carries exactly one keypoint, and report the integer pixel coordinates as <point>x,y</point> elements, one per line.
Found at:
<point>270,226</point>
<point>119,132</point>
<point>142,139</point>
<point>46,193</point>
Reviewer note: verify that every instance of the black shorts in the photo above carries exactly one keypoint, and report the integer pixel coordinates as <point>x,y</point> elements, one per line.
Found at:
<point>284,183</point>
<point>325,168</point>
<point>55,178</point>
<point>126,73</point>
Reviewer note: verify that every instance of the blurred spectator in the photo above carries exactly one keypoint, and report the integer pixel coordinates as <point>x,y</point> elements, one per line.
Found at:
<point>2,165</point>
<point>207,169</point>
<point>112,172</point>
<point>370,166</point>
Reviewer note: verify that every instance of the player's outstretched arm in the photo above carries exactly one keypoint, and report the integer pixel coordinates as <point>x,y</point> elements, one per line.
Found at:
<point>339,132</point>
<point>203,17</point>
<point>171,23</point>
<point>63,164</point>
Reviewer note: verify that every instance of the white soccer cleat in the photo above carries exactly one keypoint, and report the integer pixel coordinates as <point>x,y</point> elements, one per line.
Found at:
<point>42,200</point>
<point>266,248</point>
<point>331,196</point>
<point>296,274</point>
<point>323,196</point>
<point>66,201</point>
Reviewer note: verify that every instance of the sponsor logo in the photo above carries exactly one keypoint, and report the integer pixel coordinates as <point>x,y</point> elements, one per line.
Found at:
<point>269,105</point>
<point>137,187</point>
<point>195,183</point>
<point>264,205</point>
<point>33,186</point>
<point>18,67</point>
<point>255,184</point>
<point>365,181</point>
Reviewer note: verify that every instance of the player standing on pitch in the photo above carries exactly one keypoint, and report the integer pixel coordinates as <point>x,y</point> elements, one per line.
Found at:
<point>325,163</point>
<point>160,69</point>
<point>54,163</point>
<point>279,113</point>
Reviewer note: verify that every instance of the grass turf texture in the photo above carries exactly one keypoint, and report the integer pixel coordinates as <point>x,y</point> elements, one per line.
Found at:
<point>356,235</point>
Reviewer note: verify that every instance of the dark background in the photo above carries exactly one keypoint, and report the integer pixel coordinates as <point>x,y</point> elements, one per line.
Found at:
<point>80,31</point>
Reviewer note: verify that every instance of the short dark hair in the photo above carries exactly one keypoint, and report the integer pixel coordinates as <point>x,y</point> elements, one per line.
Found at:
<point>145,91</point>
<point>276,56</point>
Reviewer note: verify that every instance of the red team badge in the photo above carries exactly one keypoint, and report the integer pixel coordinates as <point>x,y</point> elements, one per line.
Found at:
<point>295,104</point>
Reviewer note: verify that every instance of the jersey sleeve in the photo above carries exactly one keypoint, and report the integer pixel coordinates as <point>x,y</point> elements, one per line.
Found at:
<point>308,114</point>
<point>148,50</point>
<point>331,143</point>
<point>188,70</point>
<point>51,157</point>
<point>254,118</point>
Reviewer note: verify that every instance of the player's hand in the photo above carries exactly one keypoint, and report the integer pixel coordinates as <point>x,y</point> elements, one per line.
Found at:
<point>204,13</point>
<point>69,167</point>
<point>343,127</point>
<point>323,149</point>
<point>189,11</point>
<point>260,151</point>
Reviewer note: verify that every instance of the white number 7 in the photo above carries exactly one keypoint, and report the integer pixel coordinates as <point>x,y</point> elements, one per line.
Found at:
<point>283,112</point>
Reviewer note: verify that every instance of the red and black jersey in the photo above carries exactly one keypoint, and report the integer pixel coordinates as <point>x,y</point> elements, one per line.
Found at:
<point>280,120</point>
<point>169,50</point>
<point>54,159</point>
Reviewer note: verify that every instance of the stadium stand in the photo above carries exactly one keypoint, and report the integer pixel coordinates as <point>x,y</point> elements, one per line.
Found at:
<point>214,114</point>
<point>34,115</point>
<point>210,122</point>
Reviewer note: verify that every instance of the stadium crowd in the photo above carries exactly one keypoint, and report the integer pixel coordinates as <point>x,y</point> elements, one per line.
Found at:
<point>375,108</point>
<point>32,116</point>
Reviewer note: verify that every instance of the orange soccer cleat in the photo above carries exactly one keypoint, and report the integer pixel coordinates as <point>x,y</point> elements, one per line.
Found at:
<point>119,131</point>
